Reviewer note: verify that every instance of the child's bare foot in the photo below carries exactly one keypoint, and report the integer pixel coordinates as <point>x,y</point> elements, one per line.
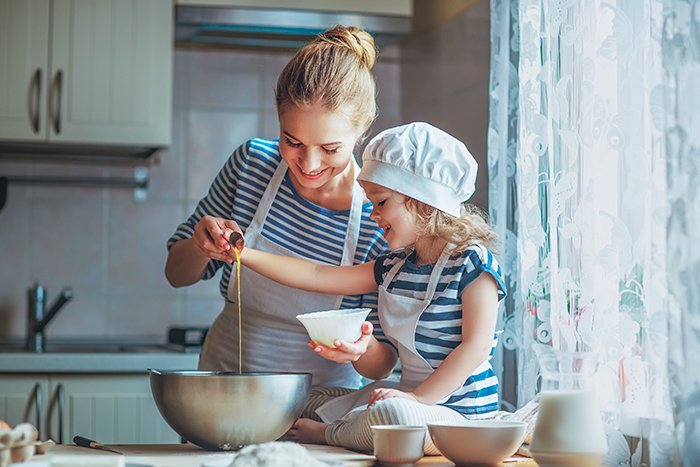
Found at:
<point>308,431</point>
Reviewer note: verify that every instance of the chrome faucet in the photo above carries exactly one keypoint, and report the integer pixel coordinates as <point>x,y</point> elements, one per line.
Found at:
<point>38,316</point>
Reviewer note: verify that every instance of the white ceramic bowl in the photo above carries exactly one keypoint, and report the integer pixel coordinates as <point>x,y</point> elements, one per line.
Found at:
<point>398,444</point>
<point>325,327</point>
<point>477,441</point>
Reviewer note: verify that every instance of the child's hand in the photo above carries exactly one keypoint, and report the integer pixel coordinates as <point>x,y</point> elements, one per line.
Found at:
<point>345,352</point>
<point>387,393</point>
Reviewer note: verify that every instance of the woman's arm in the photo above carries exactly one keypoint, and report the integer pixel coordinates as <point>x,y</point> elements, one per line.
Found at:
<point>185,265</point>
<point>187,259</point>
<point>310,276</point>
<point>479,315</point>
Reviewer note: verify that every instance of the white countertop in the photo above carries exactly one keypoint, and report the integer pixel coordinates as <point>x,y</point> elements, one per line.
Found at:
<point>118,355</point>
<point>118,362</point>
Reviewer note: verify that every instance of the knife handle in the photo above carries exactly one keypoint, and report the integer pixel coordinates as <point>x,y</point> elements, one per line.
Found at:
<point>86,443</point>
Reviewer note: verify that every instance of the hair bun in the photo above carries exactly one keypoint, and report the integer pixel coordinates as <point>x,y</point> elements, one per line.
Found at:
<point>355,39</point>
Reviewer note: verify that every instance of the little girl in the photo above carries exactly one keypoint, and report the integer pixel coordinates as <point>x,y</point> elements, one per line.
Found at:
<point>435,306</point>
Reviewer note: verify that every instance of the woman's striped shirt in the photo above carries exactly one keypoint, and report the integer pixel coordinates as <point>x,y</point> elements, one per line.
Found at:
<point>439,328</point>
<point>294,223</point>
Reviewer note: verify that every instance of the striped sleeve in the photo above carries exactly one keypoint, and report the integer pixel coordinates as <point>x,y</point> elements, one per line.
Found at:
<point>480,259</point>
<point>218,202</point>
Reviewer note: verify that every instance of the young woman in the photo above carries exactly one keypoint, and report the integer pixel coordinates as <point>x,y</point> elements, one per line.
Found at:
<point>297,197</point>
<point>439,290</point>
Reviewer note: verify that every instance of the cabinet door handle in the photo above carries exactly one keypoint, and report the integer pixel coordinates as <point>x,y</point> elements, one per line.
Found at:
<point>34,399</point>
<point>57,399</point>
<point>56,98</point>
<point>35,115</point>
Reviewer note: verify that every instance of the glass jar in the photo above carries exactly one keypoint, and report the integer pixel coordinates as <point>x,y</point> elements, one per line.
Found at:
<point>569,429</point>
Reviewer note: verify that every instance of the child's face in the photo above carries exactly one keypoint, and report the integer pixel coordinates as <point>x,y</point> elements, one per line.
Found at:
<point>316,143</point>
<point>390,212</point>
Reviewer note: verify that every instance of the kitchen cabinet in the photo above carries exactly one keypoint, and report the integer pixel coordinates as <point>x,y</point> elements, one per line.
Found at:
<point>96,72</point>
<point>115,409</point>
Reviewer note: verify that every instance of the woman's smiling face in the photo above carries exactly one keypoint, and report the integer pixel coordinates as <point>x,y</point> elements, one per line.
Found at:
<point>316,143</point>
<point>390,212</point>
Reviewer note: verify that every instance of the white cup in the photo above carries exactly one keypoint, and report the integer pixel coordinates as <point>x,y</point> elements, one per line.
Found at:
<point>398,445</point>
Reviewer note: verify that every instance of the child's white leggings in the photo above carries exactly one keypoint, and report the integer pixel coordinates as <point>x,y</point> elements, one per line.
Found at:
<point>353,430</point>
<point>319,396</point>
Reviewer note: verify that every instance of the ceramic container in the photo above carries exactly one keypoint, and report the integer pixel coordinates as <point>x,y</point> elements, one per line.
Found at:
<point>325,327</point>
<point>398,445</point>
<point>486,442</point>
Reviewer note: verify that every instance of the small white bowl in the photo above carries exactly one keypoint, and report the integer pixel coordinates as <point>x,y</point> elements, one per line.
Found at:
<point>325,327</point>
<point>477,441</point>
<point>398,445</point>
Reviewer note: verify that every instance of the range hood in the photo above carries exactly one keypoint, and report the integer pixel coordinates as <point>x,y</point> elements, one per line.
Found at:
<point>247,24</point>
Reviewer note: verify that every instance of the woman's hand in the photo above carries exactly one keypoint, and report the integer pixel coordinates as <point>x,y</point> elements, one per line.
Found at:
<point>381,394</point>
<point>211,238</point>
<point>345,352</point>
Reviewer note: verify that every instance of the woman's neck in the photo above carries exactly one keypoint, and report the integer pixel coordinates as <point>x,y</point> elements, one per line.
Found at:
<point>429,249</point>
<point>335,195</point>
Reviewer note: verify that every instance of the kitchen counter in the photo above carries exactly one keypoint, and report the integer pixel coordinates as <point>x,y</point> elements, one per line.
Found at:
<point>95,362</point>
<point>84,356</point>
<point>188,455</point>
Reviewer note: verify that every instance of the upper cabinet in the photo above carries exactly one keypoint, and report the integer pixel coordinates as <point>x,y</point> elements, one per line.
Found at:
<point>95,72</point>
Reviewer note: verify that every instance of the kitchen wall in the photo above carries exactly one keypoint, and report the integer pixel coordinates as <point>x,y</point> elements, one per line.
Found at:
<point>111,250</point>
<point>445,75</point>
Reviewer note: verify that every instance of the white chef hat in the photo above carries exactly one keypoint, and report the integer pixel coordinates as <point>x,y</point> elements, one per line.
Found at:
<point>422,162</point>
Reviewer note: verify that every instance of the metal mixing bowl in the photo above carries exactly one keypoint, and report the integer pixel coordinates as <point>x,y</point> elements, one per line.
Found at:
<point>228,410</point>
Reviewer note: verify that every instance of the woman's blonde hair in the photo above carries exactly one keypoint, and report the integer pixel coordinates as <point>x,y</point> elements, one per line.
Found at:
<point>469,228</point>
<point>335,69</point>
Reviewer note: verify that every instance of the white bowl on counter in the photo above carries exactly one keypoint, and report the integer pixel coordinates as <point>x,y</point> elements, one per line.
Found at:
<point>477,441</point>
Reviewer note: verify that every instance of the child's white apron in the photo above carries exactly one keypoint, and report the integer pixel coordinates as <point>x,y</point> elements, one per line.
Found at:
<point>273,339</point>
<point>398,316</point>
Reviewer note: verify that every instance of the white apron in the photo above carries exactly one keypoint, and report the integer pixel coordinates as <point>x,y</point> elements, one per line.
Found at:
<point>273,339</point>
<point>398,316</point>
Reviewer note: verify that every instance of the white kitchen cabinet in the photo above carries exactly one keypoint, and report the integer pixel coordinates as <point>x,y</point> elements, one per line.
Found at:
<point>95,72</point>
<point>20,393</point>
<point>114,409</point>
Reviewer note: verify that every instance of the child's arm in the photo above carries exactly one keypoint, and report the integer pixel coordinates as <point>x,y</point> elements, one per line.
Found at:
<point>479,315</point>
<point>310,276</point>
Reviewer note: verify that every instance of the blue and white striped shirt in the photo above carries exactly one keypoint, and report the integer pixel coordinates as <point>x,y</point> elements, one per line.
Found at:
<point>439,328</point>
<point>308,230</point>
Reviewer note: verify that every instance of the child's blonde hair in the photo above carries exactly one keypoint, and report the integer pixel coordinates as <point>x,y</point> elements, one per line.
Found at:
<point>469,228</point>
<point>335,69</point>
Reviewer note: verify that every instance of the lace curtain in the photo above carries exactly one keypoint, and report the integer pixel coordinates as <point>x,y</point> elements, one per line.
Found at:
<point>594,167</point>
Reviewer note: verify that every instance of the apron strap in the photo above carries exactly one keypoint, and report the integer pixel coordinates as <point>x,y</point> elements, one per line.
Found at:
<point>266,200</point>
<point>354,220</point>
